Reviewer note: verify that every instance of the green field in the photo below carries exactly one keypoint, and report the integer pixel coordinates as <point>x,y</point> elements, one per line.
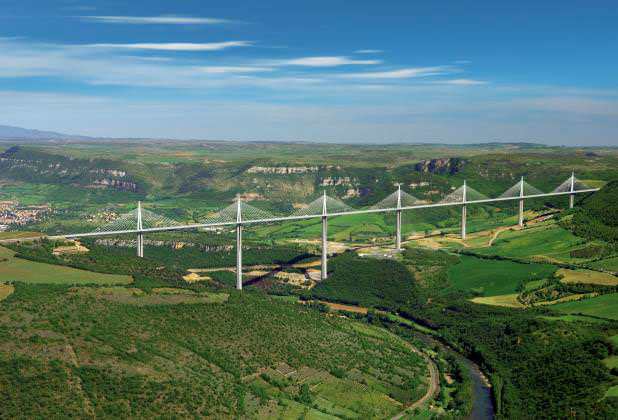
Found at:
<point>17,269</point>
<point>612,392</point>
<point>607,264</point>
<point>492,277</point>
<point>605,306</point>
<point>550,241</point>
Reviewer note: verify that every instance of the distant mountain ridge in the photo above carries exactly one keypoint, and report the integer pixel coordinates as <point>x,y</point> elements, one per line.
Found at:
<point>8,132</point>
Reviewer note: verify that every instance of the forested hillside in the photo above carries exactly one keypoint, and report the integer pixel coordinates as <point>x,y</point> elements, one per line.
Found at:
<point>598,216</point>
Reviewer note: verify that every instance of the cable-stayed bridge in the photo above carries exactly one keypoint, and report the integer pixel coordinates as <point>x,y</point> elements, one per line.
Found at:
<point>141,221</point>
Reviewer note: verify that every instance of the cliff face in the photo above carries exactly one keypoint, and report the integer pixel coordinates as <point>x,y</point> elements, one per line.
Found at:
<point>31,165</point>
<point>446,166</point>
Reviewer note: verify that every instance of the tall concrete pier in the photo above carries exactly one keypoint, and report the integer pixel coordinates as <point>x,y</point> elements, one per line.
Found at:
<point>238,244</point>
<point>140,234</point>
<point>521,202</point>
<point>398,229</point>
<point>572,195</point>
<point>324,268</point>
<point>464,213</point>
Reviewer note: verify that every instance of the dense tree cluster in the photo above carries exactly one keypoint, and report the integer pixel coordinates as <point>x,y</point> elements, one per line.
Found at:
<point>597,218</point>
<point>367,282</point>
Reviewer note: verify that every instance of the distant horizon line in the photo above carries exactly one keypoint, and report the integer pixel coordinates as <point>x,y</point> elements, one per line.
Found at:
<point>51,136</point>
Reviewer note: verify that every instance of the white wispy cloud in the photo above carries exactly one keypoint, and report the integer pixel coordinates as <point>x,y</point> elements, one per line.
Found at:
<point>464,82</point>
<point>100,66</point>
<point>368,51</point>
<point>157,20</point>
<point>400,74</point>
<point>232,69</point>
<point>176,46</point>
<point>326,61</point>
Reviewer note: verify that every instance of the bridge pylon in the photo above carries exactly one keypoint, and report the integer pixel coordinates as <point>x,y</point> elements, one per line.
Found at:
<point>521,203</point>
<point>324,266</point>
<point>140,234</point>
<point>464,211</point>
<point>238,244</point>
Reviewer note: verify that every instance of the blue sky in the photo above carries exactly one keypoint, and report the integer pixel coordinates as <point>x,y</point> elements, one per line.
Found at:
<point>339,71</point>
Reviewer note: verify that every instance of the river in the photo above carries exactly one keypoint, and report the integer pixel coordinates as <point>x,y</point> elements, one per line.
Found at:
<point>483,405</point>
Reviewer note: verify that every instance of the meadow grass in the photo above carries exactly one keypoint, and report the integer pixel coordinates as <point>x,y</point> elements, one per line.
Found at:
<point>552,241</point>
<point>608,264</point>
<point>6,290</point>
<point>509,301</point>
<point>587,277</point>
<point>611,362</point>
<point>612,392</point>
<point>573,318</point>
<point>19,235</point>
<point>493,277</point>
<point>605,306</point>
<point>14,269</point>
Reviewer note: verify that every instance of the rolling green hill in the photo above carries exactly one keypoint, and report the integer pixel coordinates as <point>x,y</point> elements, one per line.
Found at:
<point>598,218</point>
<point>120,353</point>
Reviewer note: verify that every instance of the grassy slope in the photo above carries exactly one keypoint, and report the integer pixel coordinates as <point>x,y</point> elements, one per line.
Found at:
<point>86,354</point>
<point>607,264</point>
<point>605,306</point>
<point>17,269</point>
<point>551,241</point>
<point>493,278</point>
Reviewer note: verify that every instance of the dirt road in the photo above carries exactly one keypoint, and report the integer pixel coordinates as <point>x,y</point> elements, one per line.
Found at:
<point>434,384</point>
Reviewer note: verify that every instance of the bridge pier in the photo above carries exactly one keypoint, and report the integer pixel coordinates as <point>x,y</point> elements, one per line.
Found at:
<point>521,202</point>
<point>140,235</point>
<point>238,243</point>
<point>521,212</point>
<point>464,212</point>
<point>239,256</point>
<point>398,233</point>
<point>572,195</point>
<point>398,228</point>
<point>140,245</point>
<point>464,215</point>
<point>324,267</point>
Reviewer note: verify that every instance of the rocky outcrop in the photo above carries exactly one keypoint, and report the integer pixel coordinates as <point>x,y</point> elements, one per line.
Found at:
<point>282,170</point>
<point>114,183</point>
<point>446,166</point>
<point>346,181</point>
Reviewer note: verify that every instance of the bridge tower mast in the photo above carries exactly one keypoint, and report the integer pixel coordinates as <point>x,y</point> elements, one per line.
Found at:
<point>324,271</point>
<point>140,234</point>
<point>572,195</point>
<point>521,202</point>
<point>464,212</point>
<point>238,244</point>
<point>398,232</point>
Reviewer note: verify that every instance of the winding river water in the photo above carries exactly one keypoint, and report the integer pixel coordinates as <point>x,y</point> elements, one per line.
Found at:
<point>483,405</point>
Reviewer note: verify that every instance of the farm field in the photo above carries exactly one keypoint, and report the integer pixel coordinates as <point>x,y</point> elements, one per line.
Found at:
<point>19,235</point>
<point>548,240</point>
<point>17,269</point>
<point>605,306</point>
<point>509,301</point>
<point>6,290</point>
<point>493,277</point>
<point>607,264</point>
<point>587,277</point>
